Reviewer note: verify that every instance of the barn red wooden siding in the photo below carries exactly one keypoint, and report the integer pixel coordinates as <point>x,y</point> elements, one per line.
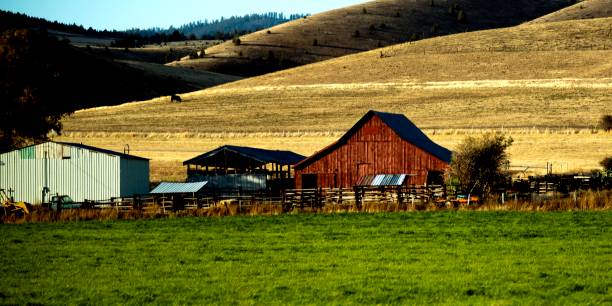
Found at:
<point>374,149</point>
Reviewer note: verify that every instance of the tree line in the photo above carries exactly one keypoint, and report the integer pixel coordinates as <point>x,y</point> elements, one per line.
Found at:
<point>219,29</point>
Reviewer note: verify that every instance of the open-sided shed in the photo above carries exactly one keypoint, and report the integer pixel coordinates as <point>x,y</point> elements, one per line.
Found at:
<point>246,168</point>
<point>378,144</point>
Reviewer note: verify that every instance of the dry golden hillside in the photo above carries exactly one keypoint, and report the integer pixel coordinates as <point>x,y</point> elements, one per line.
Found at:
<point>363,27</point>
<point>587,9</point>
<point>545,84</point>
<point>543,74</point>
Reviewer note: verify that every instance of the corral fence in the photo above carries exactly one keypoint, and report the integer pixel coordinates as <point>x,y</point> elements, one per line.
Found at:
<point>534,190</point>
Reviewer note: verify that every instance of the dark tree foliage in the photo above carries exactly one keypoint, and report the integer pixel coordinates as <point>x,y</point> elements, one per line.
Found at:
<point>30,91</point>
<point>478,163</point>
<point>10,20</point>
<point>223,28</point>
<point>606,163</point>
<point>605,123</point>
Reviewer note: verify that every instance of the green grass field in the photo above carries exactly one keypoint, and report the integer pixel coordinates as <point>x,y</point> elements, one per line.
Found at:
<point>500,258</point>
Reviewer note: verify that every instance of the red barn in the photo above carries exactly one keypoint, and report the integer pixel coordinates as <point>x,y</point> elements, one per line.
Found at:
<point>380,143</point>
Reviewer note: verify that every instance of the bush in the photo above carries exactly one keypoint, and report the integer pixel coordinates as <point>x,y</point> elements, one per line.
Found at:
<point>605,123</point>
<point>606,163</point>
<point>365,11</point>
<point>315,42</point>
<point>478,163</point>
<point>237,41</point>
<point>357,33</point>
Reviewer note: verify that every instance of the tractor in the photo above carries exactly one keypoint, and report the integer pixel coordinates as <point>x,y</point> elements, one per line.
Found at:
<point>12,208</point>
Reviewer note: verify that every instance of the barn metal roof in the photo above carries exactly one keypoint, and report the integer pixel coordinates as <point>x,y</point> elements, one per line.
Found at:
<point>382,180</point>
<point>403,127</point>
<point>255,155</point>
<point>166,188</point>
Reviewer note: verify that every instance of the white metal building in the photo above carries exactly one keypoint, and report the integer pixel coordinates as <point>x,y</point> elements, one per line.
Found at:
<point>80,171</point>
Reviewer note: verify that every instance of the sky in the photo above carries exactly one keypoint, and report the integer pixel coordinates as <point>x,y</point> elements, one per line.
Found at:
<point>127,14</point>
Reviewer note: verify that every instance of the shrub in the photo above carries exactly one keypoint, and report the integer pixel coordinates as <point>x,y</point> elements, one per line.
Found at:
<point>315,42</point>
<point>357,33</point>
<point>365,11</point>
<point>605,123</point>
<point>372,28</point>
<point>397,14</point>
<point>269,32</point>
<point>237,41</point>
<point>606,163</point>
<point>478,163</point>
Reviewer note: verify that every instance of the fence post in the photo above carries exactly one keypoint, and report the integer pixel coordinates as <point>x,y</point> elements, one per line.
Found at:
<point>357,197</point>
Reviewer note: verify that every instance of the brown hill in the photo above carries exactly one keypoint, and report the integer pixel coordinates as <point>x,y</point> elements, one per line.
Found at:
<point>360,28</point>
<point>583,10</point>
<point>546,85</point>
<point>549,75</point>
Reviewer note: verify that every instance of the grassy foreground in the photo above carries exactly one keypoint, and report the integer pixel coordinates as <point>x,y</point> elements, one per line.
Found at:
<point>400,258</point>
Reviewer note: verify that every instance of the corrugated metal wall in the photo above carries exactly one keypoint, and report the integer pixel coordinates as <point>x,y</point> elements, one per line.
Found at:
<point>134,177</point>
<point>374,149</point>
<point>247,182</point>
<point>80,173</point>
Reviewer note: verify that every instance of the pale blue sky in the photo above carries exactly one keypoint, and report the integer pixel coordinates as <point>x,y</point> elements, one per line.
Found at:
<point>124,14</point>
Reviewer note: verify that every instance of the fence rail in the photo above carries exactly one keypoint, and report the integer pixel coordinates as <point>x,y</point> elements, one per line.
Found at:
<point>549,186</point>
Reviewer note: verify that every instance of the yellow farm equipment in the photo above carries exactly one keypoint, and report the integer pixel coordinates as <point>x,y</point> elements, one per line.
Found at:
<point>12,208</point>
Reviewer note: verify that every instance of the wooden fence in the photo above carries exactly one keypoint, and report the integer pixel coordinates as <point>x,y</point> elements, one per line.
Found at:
<point>313,199</point>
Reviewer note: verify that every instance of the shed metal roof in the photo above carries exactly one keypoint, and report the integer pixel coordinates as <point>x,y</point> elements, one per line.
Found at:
<point>261,156</point>
<point>100,150</point>
<point>167,188</point>
<point>86,147</point>
<point>403,127</point>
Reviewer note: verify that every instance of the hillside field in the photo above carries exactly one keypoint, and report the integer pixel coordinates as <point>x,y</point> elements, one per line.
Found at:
<point>546,85</point>
<point>399,258</point>
<point>362,27</point>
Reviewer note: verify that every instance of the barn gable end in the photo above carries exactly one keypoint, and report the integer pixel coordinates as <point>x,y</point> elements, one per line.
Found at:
<point>379,143</point>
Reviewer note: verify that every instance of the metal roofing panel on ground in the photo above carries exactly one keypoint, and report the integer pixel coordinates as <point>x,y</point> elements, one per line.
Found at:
<point>382,180</point>
<point>166,187</point>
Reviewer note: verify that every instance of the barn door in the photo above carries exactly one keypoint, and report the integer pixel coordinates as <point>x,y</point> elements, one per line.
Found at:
<point>309,181</point>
